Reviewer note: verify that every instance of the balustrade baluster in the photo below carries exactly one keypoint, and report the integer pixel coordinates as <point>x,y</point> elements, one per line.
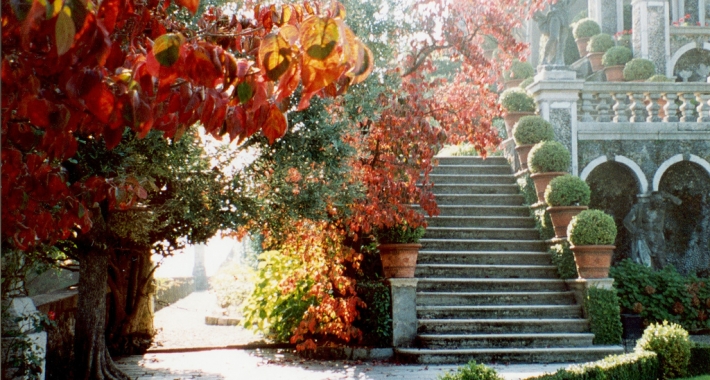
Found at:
<point>587,107</point>
<point>636,107</point>
<point>653,108</point>
<point>703,107</point>
<point>686,109</point>
<point>603,108</point>
<point>620,108</point>
<point>670,109</point>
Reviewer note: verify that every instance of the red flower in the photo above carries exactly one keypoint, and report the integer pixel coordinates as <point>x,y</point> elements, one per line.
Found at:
<point>51,315</point>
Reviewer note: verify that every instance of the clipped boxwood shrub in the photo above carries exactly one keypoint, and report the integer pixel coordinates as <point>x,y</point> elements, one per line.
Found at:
<point>580,16</point>
<point>600,43</point>
<point>532,130</point>
<point>586,28</point>
<point>519,70</point>
<point>401,233</point>
<point>672,345</point>
<point>563,258</point>
<point>592,227</point>
<point>602,307</point>
<point>527,82</point>
<point>642,365</point>
<point>699,360</point>
<point>472,371</point>
<point>639,69</point>
<point>618,55</point>
<point>549,156</point>
<point>567,190</point>
<point>375,320</point>
<point>517,100</point>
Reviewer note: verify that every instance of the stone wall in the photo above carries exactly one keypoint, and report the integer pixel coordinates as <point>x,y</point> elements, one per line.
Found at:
<point>171,290</point>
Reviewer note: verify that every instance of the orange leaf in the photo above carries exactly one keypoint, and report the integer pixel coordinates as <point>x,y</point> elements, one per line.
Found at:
<point>191,5</point>
<point>275,124</point>
<point>166,48</point>
<point>275,56</point>
<point>319,37</point>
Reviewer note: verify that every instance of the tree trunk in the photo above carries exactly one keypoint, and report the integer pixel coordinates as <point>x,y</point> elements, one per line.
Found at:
<point>92,360</point>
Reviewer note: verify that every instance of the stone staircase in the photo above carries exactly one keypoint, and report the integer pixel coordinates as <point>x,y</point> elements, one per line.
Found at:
<point>487,288</point>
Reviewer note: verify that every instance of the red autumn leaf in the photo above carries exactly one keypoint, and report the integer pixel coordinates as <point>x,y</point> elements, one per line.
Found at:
<point>275,125</point>
<point>191,5</point>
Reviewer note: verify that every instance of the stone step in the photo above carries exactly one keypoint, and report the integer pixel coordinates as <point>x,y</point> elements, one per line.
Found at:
<point>481,233</point>
<point>506,355</point>
<point>482,245</point>
<point>484,257</point>
<point>480,199</point>
<point>469,160</point>
<point>485,271</point>
<point>473,169</point>
<point>495,298</point>
<point>501,326</point>
<point>499,311</point>
<point>439,284</point>
<point>459,341</point>
<point>481,210</point>
<point>482,221</point>
<point>488,179</point>
<point>457,188</point>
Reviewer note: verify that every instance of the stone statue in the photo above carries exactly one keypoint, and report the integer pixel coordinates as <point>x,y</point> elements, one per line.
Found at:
<point>646,223</point>
<point>554,26</point>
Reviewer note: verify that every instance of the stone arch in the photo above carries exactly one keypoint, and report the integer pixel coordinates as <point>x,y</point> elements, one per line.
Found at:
<point>662,169</point>
<point>681,51</point>
<point>641,179</point>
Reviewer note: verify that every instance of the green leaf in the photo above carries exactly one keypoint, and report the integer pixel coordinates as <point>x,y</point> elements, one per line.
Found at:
<point>244,92</point>
<point>64,32</point>
<point>167,48</point>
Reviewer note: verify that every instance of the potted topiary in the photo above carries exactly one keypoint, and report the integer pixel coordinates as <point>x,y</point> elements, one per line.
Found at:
<point>547,160</point>
<point>591,234</point>
<point>517,103</point>
<point>518,72</point>
<point>583,30</point>
<point>566,197</point>
<point>660,78</point>
<point>639,69</point>
<point>527,82</point>
<point>529,131</point>
<point>614,60</point>
<point>598,45</point>
<point>399,248</point>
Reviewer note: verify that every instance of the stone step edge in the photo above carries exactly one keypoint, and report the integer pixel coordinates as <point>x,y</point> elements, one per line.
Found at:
<point>500,207</point>
<point>516,280</point>
<point>509,321</point>
<point>509,350</point>
<point>494,294</point>
<point>490,253</point>
<point>436,240</point>
<point>483,229</point>
<point>486,266</point>
<point>506,336</point>
<point>495,307</point>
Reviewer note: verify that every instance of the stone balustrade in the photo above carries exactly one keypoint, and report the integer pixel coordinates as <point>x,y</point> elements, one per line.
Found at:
<point>644,102</point>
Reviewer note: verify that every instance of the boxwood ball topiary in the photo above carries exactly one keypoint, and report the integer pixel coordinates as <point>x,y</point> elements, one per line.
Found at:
<point>517,100</point>
<point>616,56</point>
<point>549,156</point>
<point>672,345</point>
<point>639,69</point>
<point>519,70</point>
<point>532,129</point>
<point>567,190</point>
<point>592,227</point>
<point>527,82</point>
<point>586,28</point>
<point>600,43</point>
<point>659,78</point>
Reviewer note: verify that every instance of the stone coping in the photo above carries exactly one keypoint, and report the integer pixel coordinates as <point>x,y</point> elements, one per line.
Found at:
<point>594,130</point>
<point>626,87</point>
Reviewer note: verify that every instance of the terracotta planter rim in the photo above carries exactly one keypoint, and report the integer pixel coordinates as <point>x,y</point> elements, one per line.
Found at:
<point>532,175</point>
<point>586,246</point>
<point>401,245</point>
<point>515,113</point>
<point>567,208</point>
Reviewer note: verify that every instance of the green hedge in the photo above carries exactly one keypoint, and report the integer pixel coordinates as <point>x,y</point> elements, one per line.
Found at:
<point>699,360</point>
<point>634,366</point>
<point>472,371</point>
<point>563,258</point>
<point>602,307</point>
<point>375,320</point>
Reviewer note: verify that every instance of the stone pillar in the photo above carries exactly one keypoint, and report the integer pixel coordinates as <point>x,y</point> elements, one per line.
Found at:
<point>651,34</point>
<point>557,93</point>
<point>609,14</point>
<point>404,311</point>
<point>198,271</point>
<point>579,287</point>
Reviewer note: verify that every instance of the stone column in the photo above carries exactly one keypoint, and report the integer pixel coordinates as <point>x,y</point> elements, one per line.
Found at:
<point>404,311</point>
<point>198,271</point>
<point>557,93</point>
<point>609,14</point>
<point>651,34</point>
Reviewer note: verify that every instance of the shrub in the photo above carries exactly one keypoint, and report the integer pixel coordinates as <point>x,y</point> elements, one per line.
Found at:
<point>602,306</point>
<point>642,365</point>
<point>549,156</point>
<point>659,78</point>
<point>659,295</point>
<point>527,82</point>
<point>618,55</point>
<point>401,233</point>
<point>580,16</point>
<point>586,28</point>
<point>639,69</point>
<point>567,190</point>
<point>519,70</point>
<point>472,371</point>
<point>517,100</point>
<point>624,40</point>
<point>699,360</point>
<point>600,43</point>
<point>532,130</point>
<point>375,320</point>
<point>563,258</point>
<point>592,227</point>
<point>232,284</point>
<point>672,345</point>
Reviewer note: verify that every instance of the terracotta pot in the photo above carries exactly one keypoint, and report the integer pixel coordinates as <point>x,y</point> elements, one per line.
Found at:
<point>511,118</point>
<point>541,180</point>
<point>593,261</point>
<point>511,83</point>
<point>582,45</point>
<point>561,216</point>
<point>614,73</point>
<point>523,151</point>
<point>399,260</point>
<point>595,59</point>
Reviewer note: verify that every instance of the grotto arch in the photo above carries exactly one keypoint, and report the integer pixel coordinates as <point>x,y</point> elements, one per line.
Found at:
<point>629,163</point>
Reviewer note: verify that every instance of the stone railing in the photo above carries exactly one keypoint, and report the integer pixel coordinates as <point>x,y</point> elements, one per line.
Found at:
<point>644,102</point>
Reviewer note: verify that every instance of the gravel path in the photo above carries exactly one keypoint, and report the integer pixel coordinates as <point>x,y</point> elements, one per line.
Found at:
<point>182,325</point>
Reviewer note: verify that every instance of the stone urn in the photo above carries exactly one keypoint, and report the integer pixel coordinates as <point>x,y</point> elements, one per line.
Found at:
<point>582,45</point>
<point>595,59</point>
<point>512,83</point>
<point>561,216</point>
<point>511,118</point>
<point>541,180</point>
<point>593,261</point>
<point>523,151</point>
<point>614,73</point>
<point>399,260</point>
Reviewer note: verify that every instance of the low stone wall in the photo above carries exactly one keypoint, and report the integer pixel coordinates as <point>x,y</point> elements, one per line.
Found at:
<point>171,290</point>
